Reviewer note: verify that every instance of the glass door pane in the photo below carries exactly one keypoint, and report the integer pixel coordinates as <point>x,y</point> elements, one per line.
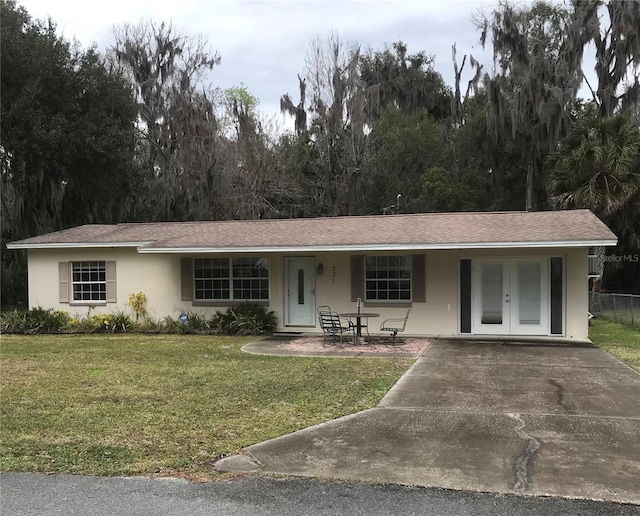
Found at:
<point>301,286</point>
<point>492,293</point>
<point>529,293</point>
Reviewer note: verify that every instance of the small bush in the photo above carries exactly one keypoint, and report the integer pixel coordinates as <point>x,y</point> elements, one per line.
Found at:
<point>116,322</point>
<point>149,325</point>
<point>245,319</point>
<point>41,320</point>
<point>84,324</point>
<point>13,321</point>
<point>99,322</point>
<point>137,301</point>
<point>120,322</point>
<point>196,323</point>
<point>170,325</point>
<point>36,320</point>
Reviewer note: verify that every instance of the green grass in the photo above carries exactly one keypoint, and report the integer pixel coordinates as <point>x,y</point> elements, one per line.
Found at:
<point>164,405</point>
<point>622,341</point>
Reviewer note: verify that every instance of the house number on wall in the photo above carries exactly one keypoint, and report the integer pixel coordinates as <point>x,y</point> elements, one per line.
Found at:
<point>333,274</point>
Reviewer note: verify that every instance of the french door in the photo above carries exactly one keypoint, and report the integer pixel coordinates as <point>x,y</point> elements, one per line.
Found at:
<point>511,296</point>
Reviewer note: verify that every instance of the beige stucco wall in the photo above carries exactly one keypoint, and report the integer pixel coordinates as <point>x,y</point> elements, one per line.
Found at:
<point>439,315</point>
<point>442,307</point>
<point>577,293</point>
<point>158,276</point>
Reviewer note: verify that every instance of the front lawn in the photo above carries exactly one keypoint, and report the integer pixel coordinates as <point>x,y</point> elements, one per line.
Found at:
<point>622,341</point>
<point>164,405</point>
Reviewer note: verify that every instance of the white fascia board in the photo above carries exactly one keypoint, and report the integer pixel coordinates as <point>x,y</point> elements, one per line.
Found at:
<point>76,245</point>
<point>378,247</point>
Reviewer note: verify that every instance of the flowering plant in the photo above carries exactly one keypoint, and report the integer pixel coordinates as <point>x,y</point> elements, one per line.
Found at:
<point>137,301</point>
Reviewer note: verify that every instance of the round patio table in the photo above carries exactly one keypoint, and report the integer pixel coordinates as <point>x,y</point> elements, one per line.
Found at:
<point>358,317</point>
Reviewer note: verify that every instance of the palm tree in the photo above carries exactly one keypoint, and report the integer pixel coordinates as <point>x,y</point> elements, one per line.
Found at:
<point>597,166</point>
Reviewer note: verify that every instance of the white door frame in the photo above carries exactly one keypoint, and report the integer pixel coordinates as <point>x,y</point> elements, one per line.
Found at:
<point>513,298</point>
<point>300,305</point>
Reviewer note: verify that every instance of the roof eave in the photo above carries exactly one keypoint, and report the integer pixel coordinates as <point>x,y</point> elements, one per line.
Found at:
<point>381,247</point>
<point>75,245</point>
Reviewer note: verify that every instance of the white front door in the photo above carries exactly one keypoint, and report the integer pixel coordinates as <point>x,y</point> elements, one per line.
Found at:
<point>511,297</point>
<point>300,287</point>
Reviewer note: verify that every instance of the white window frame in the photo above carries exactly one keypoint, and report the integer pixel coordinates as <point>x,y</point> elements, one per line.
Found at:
<point>232,279</point>
<point>391,271</point>
<point>89,267</point>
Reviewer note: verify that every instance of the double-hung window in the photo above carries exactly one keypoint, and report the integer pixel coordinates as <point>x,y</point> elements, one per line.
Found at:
<point>212,278</point>
<point>250,278</point>
<point>89,281</point>
<point>231,279</point>
<point>388,278</point>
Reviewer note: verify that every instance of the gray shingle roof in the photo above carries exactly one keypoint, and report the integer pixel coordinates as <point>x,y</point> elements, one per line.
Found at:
<point>424,230</point>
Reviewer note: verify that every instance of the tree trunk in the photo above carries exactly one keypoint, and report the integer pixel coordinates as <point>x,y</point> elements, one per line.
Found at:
<point>529,187</point>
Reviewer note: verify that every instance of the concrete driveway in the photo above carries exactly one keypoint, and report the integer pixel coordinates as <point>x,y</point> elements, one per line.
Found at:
<point>525,419</point>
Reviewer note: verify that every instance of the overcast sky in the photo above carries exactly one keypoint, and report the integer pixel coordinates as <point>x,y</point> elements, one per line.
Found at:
<point>263,43</point>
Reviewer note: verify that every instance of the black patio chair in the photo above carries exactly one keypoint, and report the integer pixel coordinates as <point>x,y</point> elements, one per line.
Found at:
<point>320,310</point>
<point>334,326</point>
<point>323,308</point>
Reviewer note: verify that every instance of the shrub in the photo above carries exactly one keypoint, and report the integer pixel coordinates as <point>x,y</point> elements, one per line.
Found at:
<point>137,301</point>
<point>13,321</point>
<point>149,325</point>
<point>116,322</point>
<point>41,320</point>
<point>196,323</point>
<point>36,320</point>
<point>84,324</point>
<point>119,322</point>
<point>245,319</point>
<point>170,325</point>
<point>99,322</point>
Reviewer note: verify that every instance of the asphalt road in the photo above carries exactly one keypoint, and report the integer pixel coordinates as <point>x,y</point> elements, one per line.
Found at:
<point>37,494</point>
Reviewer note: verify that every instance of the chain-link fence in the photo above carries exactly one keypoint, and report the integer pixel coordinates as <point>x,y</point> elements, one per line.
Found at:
<point>624,308</point>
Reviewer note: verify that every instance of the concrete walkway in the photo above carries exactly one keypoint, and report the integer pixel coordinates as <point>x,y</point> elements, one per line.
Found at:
<point>524,419</point>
